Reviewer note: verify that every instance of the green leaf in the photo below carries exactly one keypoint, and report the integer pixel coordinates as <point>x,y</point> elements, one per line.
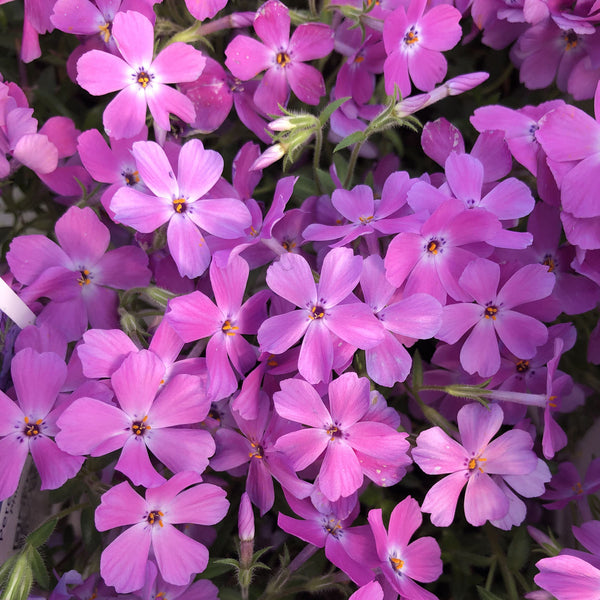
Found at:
<point>41,534</point>
<point>353,138</point>
<point>330,108</point>
<point>417,371</point>
<point>485,595</point>
<point>519,549</point>
<point>19,581</point>
<point>216,568</point>
<point>40,572</point>
<point>89,534</point>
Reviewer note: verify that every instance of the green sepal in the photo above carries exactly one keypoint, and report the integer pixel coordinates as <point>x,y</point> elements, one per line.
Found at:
<point>330,109</point>
<point>38,568</point>
<point>40,535</point>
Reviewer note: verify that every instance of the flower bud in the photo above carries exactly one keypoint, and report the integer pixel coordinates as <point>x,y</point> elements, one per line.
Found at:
<point>246,519</point>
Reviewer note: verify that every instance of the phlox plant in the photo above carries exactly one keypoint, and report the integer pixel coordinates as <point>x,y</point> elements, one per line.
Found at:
<point>342,342</point>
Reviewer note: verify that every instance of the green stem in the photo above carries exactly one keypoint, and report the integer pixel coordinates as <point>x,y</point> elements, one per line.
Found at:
<point>317,158</point>
<point>352,164</point>
<point>313,8</point>
<point>507,576</point>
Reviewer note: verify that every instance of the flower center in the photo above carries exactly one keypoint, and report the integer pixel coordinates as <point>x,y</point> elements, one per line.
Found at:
<point>474,463</point>
<point>154,516</point>
<point>333,431</point>
<point>105,31</point>
<point>84,278</point>
<point>143,78</point>
<point>491,312</point>
<point>333,527</point>
<point>411,36</point>
<point>433,246</point>
<point>138,427</point>
<point>316,312</point>
<point>283,59</point>
<point>228,328</point>
<point>365,220</point>
<point>257,451</point>
<point>179,205</point>
<point>288,245</point>
<point>131,178</point>
<point>578,488</point>
<point>32,429</point>
<point>397,563</point>
<point>549,262</point>
<point>523,366</point>
<point>571,39</point>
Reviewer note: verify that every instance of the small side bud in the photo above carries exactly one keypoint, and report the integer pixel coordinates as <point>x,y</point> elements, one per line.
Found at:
<point>246,531</point>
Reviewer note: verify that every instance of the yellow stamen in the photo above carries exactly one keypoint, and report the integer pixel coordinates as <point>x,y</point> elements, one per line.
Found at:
<point>179,204</point>
<point>105,32</point>
<point>397,563</point>
<point>283,59</point>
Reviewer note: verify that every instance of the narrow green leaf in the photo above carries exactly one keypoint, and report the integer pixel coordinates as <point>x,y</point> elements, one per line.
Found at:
<point>485,595</point>
<point>519,549</point>
<point>41,534</point>
<point>353,138</point>
<point>330,108</point>
<point>38,568</point>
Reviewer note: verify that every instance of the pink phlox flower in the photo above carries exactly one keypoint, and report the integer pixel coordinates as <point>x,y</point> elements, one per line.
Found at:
<point>414,317</point>
<point>255,445</point>
<point>567,485</point>
<point>87,18</point>
<point>495,314</point>
<point>402,562</point>
<point>348,548</point>
<point>432,259</point>
<point>19,138</point>
<point>324,311</point>
<point>215,92</point>
<point>180,201</point>
<point>152,528</point>
<point>78,274</point>
<point>28,424</point>
<point>364,214</point>
<point>195,316</point>
<point>341,435</point>
<point>474,461</point>
<point>146,418</point>
<point>414,40</point>
<point>141,78</point>
<point>281,56</point>
<point>204,9</point>
<point>114,164</point>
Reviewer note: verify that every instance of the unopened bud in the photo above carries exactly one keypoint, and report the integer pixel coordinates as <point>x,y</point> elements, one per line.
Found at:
<point>268,157</point>
<point>246,531</point>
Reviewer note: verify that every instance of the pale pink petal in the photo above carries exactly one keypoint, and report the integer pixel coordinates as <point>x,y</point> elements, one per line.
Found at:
<point>281,332</point>
<point>272,24</point>
<point>223,217</point>
<point>187,246</point>
<point>484,500</point>
<point>134,35</point>
<point>311,41</point>
<point>13,453</point>
<point>478,425</point>
<point>163,100</point>
<point>134,462</point>
<point>222,381</point>
<point>292,279</point>
<point>403,253</point>
<point>272,91</point>
<point>480,352</point>
<point>568,577</point>
<point>181,401</point>
<point>141,211</point>
<point>306,82</point>
<point>181,449</point>
<point>426,68</point>
<point>203,504</point>
<point>340,274</point>
<point>418,316</point>
<point>54,466</point>
<point>303,447</point>
<point>103,351</point>
<point>465,176</point>
<point>204,9</point>
<point>349,398</point>
<point>405,519</point>
<point>316,353</point>
<point>440,29</point>
<point>102,73</point>
<point>120,506</point>
<point>155,169</point>
<point>299,401</point>
<point>182,316</point>
<point>82,235</point>
<point>437,453</point>
<point>37,152</point>
<point>198,170</point>
<point>340,473</point>
<point>178,63</point>
<point>30,255</point>
<point>511,454</point>
<point>423,560</point>
<point>441,499</point>
<point>125,116</point>
<point>520,333</point>
<point>123,562</point>
<point>246,57</point>
<point>355,324</point>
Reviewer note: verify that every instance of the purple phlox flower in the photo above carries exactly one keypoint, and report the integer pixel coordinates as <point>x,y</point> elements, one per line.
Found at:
<point>178,200</point>
<point>78,274</point>
<point>341,434</point>
<point>495,314</point>
<point>365,215</point>
<point>146,417</point>
<point>370,591</point>
<point>114,165</point>
<point>28,424</point>
<point>365,58</point>
<point>153,528</point>
<point>418,316</point>
<point>204,9</point>
<point>432,259</point>
<point>195,317</point>
<point>155,586</point>
<point>402,562</point>
<point>87,18</point>
<point>440,139</point>
<point>103,351</point>
<point>213,95</point>
<point>473,462</point>
<point>323,313</point>
<point>349,548</point>
<point>141,79</point>
<point>573,574</point>
<point>567,485</point>
<point>255,445</point>
<point>19,138</point>
<point>571,138</point>
<point>281,56</point>
<point>414,40</point>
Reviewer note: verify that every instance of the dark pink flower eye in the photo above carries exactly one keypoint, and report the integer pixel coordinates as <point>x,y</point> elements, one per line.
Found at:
<point>283,59</point>
<point>317,312</point>
<point>139,427</point>
<point>154,516</point>
<point>143,77</point>
<point>32,429</point>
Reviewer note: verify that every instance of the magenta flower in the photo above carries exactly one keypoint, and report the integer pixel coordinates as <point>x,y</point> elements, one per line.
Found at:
<point>178,201</point>
<point>141,79</point>
<point>26,425</point>
<point>402,562</point>
<point>414,41</point>
<point>495,314</point>
<point>78,274</point>
<point>195,316</point>
<point>352,446</point>
<point>147,418</point>
<point>473,462</point>
<point>283,57</point>
<point>153,520</point>
<point>322,313</point>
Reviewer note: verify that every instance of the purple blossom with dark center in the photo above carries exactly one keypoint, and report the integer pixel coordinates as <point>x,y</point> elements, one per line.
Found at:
<point>352,446</point>
<point>495,314</point>
<point>323,313</point>
<point>281,56</point>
